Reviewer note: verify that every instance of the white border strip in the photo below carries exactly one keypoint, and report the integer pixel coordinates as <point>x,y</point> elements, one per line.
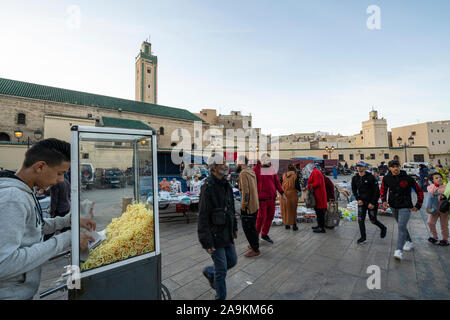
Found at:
<point>155,194</point>
<point>116,130</point>
<point>74,209</point>
<point>117,264</point>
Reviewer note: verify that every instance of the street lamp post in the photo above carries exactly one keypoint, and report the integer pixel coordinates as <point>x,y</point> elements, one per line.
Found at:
<point>18,134</point>
<point>405,145</point>
<point>329,150</point>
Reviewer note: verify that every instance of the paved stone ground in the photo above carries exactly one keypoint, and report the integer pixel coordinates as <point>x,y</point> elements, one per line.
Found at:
<point>303,265</point>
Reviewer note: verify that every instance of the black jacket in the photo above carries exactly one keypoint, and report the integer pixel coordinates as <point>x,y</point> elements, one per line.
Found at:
<point>397,190</point>
<point>366,188</point>
<point>216,219</point>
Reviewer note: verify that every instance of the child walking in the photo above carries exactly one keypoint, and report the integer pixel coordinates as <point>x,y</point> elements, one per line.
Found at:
<point>435,190</point>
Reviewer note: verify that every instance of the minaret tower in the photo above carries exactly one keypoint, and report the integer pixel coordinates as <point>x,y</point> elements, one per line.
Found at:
<point>146,75</point>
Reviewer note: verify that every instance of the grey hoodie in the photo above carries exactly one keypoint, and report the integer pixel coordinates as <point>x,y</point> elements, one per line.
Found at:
<point>22,230</point>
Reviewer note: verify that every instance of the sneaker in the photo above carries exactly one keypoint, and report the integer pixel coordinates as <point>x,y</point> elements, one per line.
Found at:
<point>398,255</point>
<point>319,230</point>
<point>211,280</point>
<point>408,246</point>
<point>294,227</point>
<point>252,253</point>
<point>267,238</point>
<point>287,227</point>
<point>443,243</point>
<point>314,228</point>
<point>361,241</point>
<point>383,232</point>
<point>432,240</point>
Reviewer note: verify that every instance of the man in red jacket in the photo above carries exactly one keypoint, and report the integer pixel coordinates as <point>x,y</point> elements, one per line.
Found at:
<point>268,185</point>
<point>316,182</point>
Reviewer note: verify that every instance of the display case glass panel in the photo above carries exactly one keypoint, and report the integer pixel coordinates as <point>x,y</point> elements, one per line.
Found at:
<point>115,173</point>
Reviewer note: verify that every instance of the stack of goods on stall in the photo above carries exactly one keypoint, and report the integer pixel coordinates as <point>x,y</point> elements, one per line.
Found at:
<point>303,215</point>
<point>130,235</point>
<point>350,213</point>
<point>381,210</point>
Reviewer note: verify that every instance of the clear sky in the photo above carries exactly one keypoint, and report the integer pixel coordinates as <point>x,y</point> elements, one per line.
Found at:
<point>296,66</point>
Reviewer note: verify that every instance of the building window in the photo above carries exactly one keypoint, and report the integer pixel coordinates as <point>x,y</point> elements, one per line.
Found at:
<point>437,130</point>
<point>443,142</point>
<point>233,124</point>
<point>148,86</point>
<point>372,156</point>
<point>439,141</point>
<point>386,156</point>
<point>89,115</point>
<point>205,114</point>
<point>161,131</point>
<point>432,142</point>
<point>419,158</point>
<point>351,157</point>
<point>249,123</point>
<point>341,157</point>
<point>413,133</point>
<point>85,155</point>
<point>149,70</point>
<point>325,157</point>
<point>361,156</point>
<point>117,143</point>
<point>194,146</point>
<point>431,130</point>
<point>197,134</point>
<point>21,118</point>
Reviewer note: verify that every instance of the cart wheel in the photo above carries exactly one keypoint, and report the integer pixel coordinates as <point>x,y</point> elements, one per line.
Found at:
<point>165,294</point>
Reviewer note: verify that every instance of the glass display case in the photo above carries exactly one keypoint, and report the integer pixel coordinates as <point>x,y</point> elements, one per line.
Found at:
<point>112,176</point>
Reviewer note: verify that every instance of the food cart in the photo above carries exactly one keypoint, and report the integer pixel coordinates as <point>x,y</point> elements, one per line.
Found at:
<point>125,261</point>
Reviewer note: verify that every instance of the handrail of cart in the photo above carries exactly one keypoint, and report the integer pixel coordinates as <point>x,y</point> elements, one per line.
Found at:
<point>62,254</point>
<point>52,291</point>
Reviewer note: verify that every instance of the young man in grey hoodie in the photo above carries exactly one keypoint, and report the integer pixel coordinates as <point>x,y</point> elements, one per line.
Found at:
<point>22,227</point>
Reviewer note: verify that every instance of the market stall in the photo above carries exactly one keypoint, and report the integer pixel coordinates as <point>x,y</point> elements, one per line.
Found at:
<point>124,262</point>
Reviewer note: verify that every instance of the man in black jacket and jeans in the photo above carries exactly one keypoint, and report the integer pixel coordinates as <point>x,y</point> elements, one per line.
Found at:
<point>217,225</point>
<point>396,194</point>
<point>366,192</point>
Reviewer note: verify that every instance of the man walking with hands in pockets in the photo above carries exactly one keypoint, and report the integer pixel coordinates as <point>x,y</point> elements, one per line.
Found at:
<point>217,225</point>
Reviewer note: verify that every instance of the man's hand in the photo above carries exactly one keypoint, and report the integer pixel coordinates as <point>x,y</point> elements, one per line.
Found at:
<point>414,209</point>
<point>210,250</point>
<point>385,205</point>
<point>84,238</point>
<point>235,235</point>
<point>371,206</point>
<point>88,224</point>
<point>360,202</point>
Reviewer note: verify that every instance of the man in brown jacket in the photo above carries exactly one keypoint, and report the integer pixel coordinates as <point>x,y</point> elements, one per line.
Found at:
<point>249,205</point>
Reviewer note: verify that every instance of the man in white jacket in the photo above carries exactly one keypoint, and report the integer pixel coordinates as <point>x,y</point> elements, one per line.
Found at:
<point>22,227</point>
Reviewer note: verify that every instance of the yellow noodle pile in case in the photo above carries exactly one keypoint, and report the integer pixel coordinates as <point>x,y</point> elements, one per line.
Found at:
<point>130,235</point>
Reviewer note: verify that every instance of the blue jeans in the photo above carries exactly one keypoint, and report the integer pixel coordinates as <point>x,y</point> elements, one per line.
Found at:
<point>224,259</point>
<point>402,217</point>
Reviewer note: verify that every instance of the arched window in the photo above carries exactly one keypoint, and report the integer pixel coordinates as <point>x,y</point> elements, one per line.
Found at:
<point>21,118</point>
<point>161,131</point>
<point>4,137</point>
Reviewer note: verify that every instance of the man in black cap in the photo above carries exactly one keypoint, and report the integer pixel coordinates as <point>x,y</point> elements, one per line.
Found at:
<point>366,192</point>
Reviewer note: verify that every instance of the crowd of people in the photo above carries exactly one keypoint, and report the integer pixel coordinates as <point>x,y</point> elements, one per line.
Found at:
<point>260,187</point>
